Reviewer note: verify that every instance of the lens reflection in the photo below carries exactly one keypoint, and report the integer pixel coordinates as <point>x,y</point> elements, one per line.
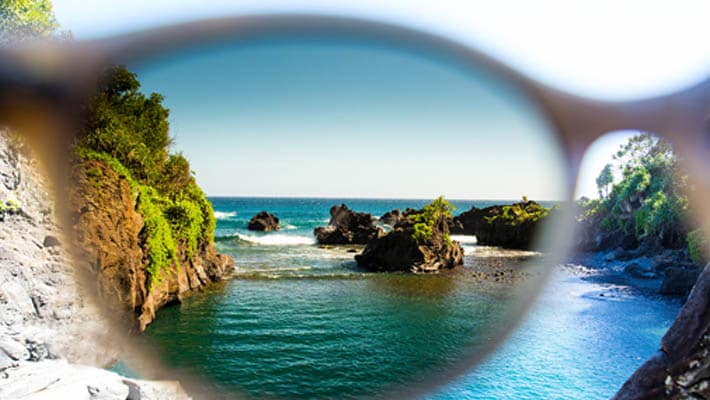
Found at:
<point>323,160</point>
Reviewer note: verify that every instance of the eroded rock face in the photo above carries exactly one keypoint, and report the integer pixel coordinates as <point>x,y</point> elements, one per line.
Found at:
<point>347,227</point>
<point>398,251</point>
<point>681,368</point>
<point>264,222</point>
<point>107,231</point>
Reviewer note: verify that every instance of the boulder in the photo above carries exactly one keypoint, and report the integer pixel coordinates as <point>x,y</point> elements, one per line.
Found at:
<point>399,251</point>
<point>347,227</point>
<point>264,222</point>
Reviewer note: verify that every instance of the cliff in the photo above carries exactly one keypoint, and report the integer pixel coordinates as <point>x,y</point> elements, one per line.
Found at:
<point>53,343</point>
<point>681,367</point>
<point>114,239</point>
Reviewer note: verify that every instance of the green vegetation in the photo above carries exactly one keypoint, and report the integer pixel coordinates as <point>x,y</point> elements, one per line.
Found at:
<point>128,131</point>
<point>649,202</point>
<point>434,213</point>
<point>22,20</point>
<point>518,213</point>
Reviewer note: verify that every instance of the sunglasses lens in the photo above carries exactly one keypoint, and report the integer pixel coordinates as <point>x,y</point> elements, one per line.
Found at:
<point>305,173</point>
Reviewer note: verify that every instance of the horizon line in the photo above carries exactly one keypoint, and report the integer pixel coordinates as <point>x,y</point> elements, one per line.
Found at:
<point>371,198</point>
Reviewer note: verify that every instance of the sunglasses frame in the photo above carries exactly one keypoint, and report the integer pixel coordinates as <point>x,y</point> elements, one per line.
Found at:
<point>42,87</point>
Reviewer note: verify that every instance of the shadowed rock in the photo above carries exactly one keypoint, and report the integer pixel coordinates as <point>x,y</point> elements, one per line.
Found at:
<point>347,227</point>
<point>264,222</point>
<point>399,251</point>
<point>512,226</point>
<point>680,369</point>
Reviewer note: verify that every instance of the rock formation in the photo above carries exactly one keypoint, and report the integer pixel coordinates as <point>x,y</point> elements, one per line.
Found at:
<point>681,368</point>
<point>107,229</point>
<point>264,222</point>
<point>347,227</point>
<point>391,218</point>
<point>399,251</point>
<point>511,226</point>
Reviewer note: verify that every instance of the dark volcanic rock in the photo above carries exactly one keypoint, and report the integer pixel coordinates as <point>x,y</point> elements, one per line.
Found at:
<point>499,225</point>
<point>398,251</point>
<point>391,218</point>
<point>264,222</point>
<point>680,369</point>
<point>347,227</point>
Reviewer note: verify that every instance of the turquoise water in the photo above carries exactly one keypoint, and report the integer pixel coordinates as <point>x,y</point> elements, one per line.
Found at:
<point>300,321</point>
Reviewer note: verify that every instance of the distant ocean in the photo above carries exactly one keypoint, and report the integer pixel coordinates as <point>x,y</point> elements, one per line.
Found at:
<point>301,321</point>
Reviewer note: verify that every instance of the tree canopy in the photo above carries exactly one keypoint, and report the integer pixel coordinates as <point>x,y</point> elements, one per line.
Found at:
<point>129,131</point>
<point>22,20</point>
<point>650,201</point>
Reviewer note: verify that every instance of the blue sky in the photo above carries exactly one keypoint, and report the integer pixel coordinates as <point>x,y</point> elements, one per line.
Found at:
<point>337,118</point>
<point>607,49</point>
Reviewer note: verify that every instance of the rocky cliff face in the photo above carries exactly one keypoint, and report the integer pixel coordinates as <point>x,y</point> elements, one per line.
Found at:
<point>51,339</point>
<point>107,228</point>
<point>681,368</point>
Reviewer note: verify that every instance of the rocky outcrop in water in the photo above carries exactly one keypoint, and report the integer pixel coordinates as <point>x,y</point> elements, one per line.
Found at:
<point>347,227</point>
<point>107,229</point>
<point>399,251</point>
<point>681,368</point>
<point>264,222</point>
<point>512,226</point>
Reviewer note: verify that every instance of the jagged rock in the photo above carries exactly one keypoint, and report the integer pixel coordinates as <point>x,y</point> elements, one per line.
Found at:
<point>398,251</point>
<point>391,218</point>
<point>679,280</point>
<point>264,222</point>
<point>347,227</point>
<point>107,229</point>
<point>679,370</point>
<point>498,226</point>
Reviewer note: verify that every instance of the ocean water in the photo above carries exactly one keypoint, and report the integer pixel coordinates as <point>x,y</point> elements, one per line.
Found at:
<point>301,321</point>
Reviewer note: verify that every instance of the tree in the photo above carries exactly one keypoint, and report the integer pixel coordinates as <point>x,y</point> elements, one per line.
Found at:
<point>605,178</point>
<point>22,20</point>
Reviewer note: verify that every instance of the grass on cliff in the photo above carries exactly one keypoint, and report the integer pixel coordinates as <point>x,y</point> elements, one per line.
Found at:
<point>128,131</point>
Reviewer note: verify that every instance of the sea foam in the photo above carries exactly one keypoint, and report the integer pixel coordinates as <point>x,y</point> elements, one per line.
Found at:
<point>278,240</point>
<point>224,215</point>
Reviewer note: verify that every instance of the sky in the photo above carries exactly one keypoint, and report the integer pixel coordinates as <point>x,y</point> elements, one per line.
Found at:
<point>325,117</point>
<point>611,49</point>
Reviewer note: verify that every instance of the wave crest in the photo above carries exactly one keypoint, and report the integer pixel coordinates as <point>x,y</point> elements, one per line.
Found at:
<point>277,239</point>
<point>224,214</point>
